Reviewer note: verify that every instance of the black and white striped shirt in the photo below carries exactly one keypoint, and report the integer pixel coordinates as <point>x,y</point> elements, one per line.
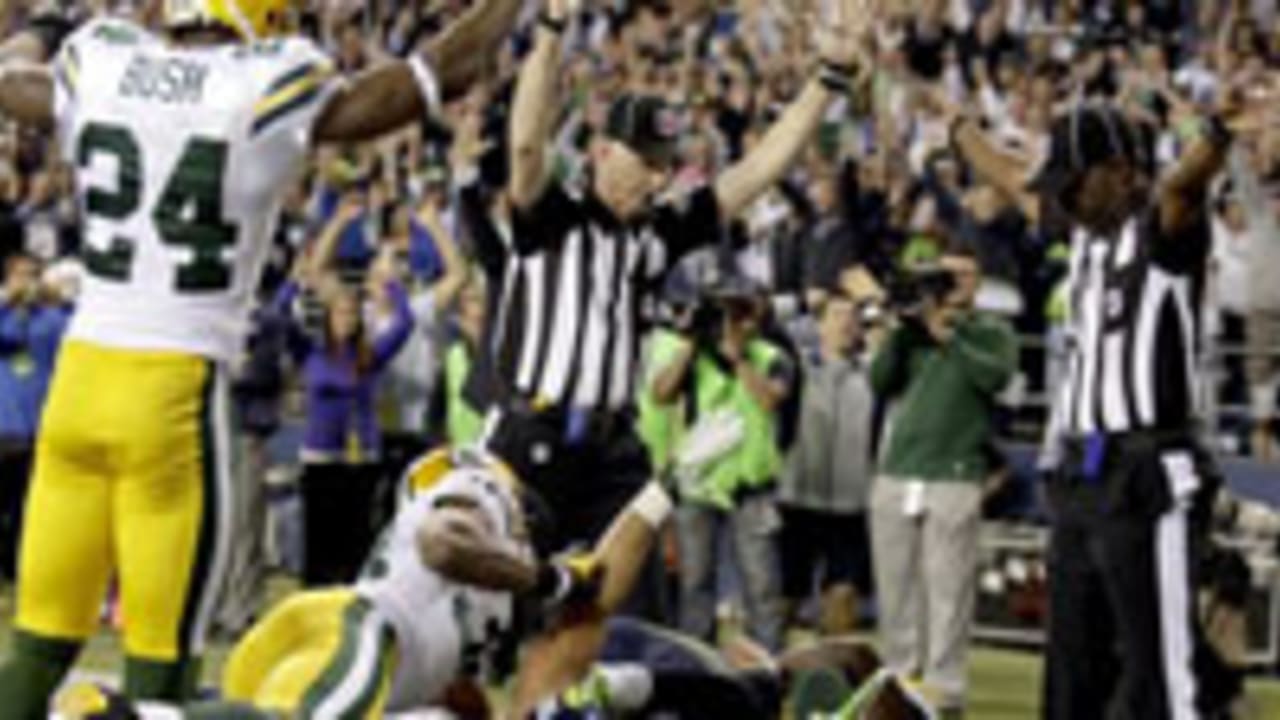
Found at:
<point>566,328</point>
<point>1133,330</point>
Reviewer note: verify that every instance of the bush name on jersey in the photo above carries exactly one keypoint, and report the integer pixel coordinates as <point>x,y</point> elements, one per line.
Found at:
<point>167,80</point>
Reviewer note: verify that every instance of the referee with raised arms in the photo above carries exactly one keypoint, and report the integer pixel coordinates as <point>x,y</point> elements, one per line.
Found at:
<point>1131,488</point>
<point>580,265</point>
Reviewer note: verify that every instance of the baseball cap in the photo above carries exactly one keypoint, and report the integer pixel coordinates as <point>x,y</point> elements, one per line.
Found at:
<point>1086,136</point>
<point>646,125</point>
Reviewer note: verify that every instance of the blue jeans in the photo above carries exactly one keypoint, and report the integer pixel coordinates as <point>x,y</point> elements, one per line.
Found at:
<point>753,533</point>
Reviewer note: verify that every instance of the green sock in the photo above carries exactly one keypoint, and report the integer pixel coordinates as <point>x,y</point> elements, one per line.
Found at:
<point>226,711</point>
<point>31,674</point>
<point>173,682</point>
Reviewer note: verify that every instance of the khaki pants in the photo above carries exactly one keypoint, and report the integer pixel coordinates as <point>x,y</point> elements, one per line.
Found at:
<point>924,539</point>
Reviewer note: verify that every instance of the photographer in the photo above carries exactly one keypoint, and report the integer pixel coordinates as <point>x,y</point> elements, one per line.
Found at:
<point>32,319</point>
<point>940,370</point>
<point>729,382</point>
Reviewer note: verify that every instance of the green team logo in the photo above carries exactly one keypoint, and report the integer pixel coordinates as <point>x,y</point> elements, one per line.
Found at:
<point>116,34</point>
<point>262,48</point>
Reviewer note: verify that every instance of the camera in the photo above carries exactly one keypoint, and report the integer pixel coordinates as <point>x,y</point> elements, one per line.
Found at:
<point>731,298</point>
<point>909,288</point>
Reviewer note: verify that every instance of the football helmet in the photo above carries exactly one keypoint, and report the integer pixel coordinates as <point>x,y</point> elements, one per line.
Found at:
<point>250,19</point>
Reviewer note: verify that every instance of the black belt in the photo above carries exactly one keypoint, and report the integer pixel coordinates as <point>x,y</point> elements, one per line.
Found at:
<point>574,422</point>
<point>1091,455</point>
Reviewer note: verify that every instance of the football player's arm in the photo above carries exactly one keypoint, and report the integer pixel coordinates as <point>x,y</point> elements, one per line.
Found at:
<point>563,657</point>
<point>534,109</point>
<point>454,542</point>
<point>623,551</point>
<point>39,41</point>
<point>26,84</point>
<point>26,94</point>
<point>393,94</point>
<point>23,47</point>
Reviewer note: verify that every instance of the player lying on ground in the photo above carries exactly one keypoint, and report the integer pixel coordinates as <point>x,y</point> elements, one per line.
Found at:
<point>646,670</point>
<point>437,604</point>
<point>183,144</point>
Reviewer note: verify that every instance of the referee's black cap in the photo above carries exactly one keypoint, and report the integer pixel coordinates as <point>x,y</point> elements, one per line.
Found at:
<point>1087,136</point>
<point>647,125</point>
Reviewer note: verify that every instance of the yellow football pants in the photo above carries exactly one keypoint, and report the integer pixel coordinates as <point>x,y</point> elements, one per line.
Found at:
<point>319,654</point>
<point>132,479</point>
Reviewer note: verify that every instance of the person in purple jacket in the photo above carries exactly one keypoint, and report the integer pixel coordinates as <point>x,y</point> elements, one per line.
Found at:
<point>341,366</point>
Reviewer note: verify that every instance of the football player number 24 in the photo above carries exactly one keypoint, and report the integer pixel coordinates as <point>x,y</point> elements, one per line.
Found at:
<point>188,213</point>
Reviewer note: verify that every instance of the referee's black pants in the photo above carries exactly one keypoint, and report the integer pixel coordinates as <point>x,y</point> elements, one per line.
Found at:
<point>1125,642</point>
<point>583,479</point>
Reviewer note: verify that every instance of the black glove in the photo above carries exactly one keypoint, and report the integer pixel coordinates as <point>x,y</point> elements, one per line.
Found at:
<point>570,580</point>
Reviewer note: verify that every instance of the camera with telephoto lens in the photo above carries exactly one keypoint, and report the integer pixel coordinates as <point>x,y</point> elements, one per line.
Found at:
<point>909,288</point>
<point>727,298</point>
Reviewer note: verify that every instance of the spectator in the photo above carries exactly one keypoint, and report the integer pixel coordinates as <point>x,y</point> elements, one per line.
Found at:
<point>827,478</point>
<point>1229,278</point>
<point>341,479</point>
<point>258,392</point>
<point>408,388</point>
<point>11,233</point>
<point>661,424</point>
<point>832,243</point>
<point>464,422</point>
<point>730,381</point>
<point>32,319</point>
<point>940,370</point>
<point>1258,220</point>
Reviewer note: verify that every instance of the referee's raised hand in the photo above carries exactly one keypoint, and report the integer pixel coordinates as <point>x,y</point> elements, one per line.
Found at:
<point>847,39</point>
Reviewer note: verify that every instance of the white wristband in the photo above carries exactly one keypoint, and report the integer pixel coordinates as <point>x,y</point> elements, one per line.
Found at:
<point>427,83</point>
<point>653,505</point>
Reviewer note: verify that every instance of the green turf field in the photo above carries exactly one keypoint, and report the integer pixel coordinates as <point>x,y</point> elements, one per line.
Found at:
<point>1005,683</point>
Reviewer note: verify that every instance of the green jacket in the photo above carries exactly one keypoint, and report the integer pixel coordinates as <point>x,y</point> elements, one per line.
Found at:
<point>942,397</point>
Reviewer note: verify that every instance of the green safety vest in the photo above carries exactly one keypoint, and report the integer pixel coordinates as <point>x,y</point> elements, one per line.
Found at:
<point>463,425</point>
<point>756,461</point>
<point>918,250</point>
<point>660,425</point>
<point>1055,310</point>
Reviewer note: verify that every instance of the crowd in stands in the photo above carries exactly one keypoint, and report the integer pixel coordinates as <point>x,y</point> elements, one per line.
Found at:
<point>371,325</point>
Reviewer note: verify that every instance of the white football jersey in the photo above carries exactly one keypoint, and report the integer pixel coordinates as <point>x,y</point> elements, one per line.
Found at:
<point>182,156</point>
<point>444,629</point>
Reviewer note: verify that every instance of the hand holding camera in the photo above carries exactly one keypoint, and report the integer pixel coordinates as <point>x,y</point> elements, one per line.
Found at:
<point>939,320</point>
<point>922,295</point>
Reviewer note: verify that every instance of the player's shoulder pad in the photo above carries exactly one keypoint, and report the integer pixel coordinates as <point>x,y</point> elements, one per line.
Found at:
<point>99,35</point>
<point>293,72</point>
<point>111,32</point>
